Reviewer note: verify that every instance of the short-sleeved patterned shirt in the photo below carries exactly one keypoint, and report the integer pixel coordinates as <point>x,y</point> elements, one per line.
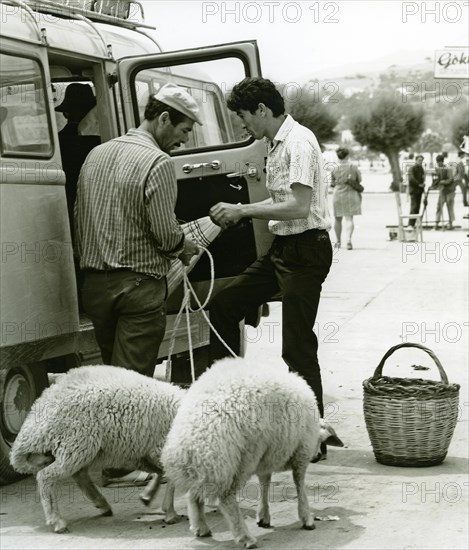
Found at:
<point>294,156</point>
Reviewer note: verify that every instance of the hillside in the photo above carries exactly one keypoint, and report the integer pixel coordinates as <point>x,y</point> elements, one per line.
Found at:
<point>409,75</point>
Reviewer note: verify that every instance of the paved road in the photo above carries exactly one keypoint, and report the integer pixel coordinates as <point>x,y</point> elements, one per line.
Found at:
<point>377,295</point>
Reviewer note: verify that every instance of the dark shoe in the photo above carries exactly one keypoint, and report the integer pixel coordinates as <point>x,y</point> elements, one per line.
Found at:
<point>322,454</point>
<point>349,246</point>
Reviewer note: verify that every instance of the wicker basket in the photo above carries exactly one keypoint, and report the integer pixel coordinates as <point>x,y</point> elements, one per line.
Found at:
<point>410,421</point>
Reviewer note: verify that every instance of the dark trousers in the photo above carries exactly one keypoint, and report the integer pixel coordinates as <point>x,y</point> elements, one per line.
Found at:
<point>415,201</point>
<point>463,185</point>
<point>129,316</point>
<point>296,266</point>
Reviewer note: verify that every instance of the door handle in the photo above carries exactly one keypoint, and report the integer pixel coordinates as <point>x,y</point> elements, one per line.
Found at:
<point>214,165</point>
<point>250,172</point>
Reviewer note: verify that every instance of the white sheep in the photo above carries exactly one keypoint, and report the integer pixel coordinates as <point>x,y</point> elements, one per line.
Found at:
<point>96,415</point>
<point>238,419</point>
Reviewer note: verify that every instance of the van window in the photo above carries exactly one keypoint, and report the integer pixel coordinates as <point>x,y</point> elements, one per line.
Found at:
<point>24,122</point>
<point>209,83</point>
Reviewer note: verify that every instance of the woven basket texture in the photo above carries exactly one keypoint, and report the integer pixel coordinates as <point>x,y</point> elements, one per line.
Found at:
<point>410,421</point>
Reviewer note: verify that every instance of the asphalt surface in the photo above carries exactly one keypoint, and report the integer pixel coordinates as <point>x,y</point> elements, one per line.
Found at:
<point>377,295</point>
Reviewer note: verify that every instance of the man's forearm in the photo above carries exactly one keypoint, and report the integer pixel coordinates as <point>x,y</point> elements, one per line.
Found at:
<point>266,210</point>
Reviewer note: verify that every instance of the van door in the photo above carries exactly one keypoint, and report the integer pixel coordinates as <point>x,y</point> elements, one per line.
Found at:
<point>221,162</point>
<point>38,312</point>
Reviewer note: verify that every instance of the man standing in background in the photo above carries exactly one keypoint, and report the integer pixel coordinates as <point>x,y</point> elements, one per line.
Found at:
<point>444,181</point>
<point>460,176</point>
<point>416,175</point>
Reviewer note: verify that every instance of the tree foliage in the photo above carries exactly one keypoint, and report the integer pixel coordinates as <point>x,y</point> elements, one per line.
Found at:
<point>460,126</point>
<point>308,109</point>
<point>429,142</point>
<point>388,125</point>
<point>311,111</point>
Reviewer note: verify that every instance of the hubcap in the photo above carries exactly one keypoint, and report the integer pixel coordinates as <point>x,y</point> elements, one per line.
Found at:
<point>18,398</point>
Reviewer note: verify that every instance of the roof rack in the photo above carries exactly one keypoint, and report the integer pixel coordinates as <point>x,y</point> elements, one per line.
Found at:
<point>30,12</point>
<point>121,13</point>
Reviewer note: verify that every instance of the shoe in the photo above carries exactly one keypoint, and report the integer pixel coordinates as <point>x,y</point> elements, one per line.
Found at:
<point>437,227</point>
<point>322,454</point>
<point>137,478</point>
<point>349,246</point>
<point>337,244</point>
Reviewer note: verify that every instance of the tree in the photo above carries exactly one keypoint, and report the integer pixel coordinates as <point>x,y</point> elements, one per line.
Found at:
<point>429,142</point>
<point>314,113</point>
<point>460,127</point>
<point>388,125</point>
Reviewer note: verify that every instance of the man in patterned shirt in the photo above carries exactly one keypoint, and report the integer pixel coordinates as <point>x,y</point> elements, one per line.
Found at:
<point>127,233</point>
<point>301,254</point>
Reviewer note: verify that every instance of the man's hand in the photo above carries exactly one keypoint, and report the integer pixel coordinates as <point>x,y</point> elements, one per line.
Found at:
<point>225,214</point>
<point>190,249</point>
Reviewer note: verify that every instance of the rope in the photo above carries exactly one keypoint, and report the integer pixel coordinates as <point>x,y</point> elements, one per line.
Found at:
<point>186,307</point>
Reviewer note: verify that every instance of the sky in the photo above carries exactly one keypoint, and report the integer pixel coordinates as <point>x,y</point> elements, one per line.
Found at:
<point>302,38</point>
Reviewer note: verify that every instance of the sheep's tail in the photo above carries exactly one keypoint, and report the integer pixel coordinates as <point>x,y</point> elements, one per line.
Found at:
<point>29,463</point>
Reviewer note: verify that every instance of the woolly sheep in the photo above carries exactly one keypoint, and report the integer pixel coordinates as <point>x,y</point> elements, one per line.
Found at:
<point>236,420</point>
<point>103,415</point>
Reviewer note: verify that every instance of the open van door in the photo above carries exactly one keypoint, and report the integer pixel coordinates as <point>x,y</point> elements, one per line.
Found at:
<point>220,162</point>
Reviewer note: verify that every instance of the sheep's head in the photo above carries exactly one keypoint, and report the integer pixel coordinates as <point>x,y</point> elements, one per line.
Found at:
<point>328,436</point>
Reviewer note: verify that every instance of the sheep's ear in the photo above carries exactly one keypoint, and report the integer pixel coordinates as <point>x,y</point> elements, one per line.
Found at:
<point>329,436</point>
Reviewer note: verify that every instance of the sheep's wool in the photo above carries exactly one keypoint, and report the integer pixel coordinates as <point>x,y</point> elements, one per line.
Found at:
<point>237,419</point>
<point>97,412</point>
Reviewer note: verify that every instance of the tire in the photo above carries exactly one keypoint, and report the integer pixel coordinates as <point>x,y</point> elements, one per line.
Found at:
<point>20,386</point>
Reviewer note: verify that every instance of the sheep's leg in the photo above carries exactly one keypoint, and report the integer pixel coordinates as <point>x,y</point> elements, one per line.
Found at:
<point>263,513</point>
<point>47,484</point>
<point>304,512</point>
<point>150,490</point>
<point>168,505</point>
<point>232,513</point>
<point>197,521</point>
<point>92,492</point>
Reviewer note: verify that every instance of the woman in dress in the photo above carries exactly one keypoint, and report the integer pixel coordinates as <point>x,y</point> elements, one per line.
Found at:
<point>347,201</point>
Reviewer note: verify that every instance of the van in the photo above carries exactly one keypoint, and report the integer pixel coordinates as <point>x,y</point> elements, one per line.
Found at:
<point>45,47</point>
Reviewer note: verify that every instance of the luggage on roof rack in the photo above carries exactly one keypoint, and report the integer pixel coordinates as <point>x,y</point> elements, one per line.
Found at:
<point>120,12</point>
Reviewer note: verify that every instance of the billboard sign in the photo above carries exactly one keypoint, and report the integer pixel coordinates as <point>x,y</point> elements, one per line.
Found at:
<point>452,63</point>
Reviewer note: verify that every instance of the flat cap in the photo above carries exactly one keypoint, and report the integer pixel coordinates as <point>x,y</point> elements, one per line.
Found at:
<point>176,97</point>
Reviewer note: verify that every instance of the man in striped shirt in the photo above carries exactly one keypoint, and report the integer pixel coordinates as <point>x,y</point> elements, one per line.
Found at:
<point>127,233</point>
<point>301,254</point>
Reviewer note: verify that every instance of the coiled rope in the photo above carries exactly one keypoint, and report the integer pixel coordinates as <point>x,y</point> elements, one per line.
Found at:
<point>189,292</point>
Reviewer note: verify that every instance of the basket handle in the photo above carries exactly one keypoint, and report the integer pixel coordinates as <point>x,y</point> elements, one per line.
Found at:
<point>379,368</point>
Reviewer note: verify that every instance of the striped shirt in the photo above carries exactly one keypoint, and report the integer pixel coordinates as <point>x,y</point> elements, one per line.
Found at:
<point>124,211</point>
<point>294,156</point>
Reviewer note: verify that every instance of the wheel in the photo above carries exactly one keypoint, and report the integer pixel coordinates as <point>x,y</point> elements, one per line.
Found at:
<point>20,386</point>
